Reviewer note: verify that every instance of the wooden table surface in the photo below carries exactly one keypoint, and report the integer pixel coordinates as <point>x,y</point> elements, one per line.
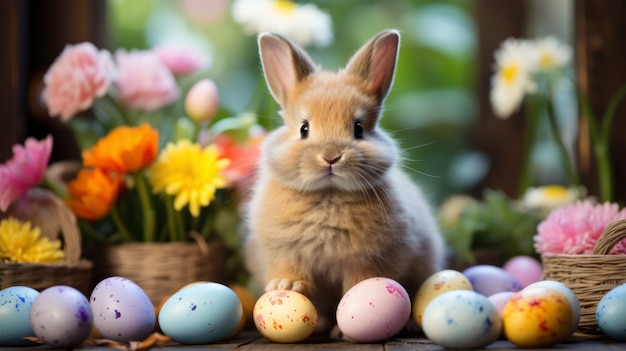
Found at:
<point>251,340</point>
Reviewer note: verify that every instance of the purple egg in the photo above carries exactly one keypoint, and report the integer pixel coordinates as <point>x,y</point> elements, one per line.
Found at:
<point>488,280</point>
<point>61,317</point>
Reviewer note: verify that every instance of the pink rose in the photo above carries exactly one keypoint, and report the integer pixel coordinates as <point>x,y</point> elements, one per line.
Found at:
<point>180,60</point>
<point>144,82</point>
<point>79,75</point>
<point>25,170</point>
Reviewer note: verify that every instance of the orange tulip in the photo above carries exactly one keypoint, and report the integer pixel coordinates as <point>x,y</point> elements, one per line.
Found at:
<point>92,193</point>
<point>124,150</point>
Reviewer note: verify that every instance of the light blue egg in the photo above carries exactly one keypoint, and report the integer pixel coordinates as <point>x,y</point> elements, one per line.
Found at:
<point>15,304</point>
<point>462,319</point>
<point>610,313</point>
<point>201,313</point>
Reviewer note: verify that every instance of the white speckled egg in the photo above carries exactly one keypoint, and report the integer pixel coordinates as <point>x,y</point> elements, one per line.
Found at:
<point>373,310</point>
<point>201,313</point>
<point>434,286</point>
<point>122,310</point>
<point>462,319</point>
<point>611,311</point>
<point>284,316</point>
<point>15,304</point>
<point>61,317</point>
<point>488,279</point>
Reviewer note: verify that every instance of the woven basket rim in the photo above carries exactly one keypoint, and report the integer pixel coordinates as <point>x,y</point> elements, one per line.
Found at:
<point>82,263</point>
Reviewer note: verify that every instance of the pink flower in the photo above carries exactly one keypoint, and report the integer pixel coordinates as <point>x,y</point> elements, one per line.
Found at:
<point>202,101</point>
<point>25,170</point>
<point>180,60</point>
<point>144,82</point>
<point>575,228</point>
<point>79,75</point>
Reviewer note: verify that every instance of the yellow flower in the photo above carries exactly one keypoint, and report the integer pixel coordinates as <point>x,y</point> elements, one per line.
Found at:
<point>21,243</point>
<point>189,173</point>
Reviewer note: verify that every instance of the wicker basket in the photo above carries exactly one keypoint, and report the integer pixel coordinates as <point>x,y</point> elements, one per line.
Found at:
<point>161,268</point>
<point>590,276</point>
<point>56,221</point>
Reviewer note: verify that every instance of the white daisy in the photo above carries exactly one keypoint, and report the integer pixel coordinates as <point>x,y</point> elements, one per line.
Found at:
<point>304,24</point>
<point>549,53</point>
<point>547,198</point>
<point>511,80</point>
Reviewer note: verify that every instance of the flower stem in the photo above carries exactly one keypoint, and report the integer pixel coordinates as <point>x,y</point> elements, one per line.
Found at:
<point>526,175</point>
<point>148,211</point>
<point>124,233</point>
<point>174,221</point>
<point>572,176</point>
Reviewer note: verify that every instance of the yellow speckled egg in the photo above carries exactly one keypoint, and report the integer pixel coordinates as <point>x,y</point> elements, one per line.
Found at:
<point>537,317</point>
<point>285,316</point>
<point>434,286</point>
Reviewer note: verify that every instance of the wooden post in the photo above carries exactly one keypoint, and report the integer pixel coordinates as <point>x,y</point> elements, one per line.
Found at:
<point>501,140</point>
<point>600,32</point>
<point>33,34</point>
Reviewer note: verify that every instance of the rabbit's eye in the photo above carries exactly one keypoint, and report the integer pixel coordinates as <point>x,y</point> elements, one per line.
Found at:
<point>304,130</point>
<point>358,130</point>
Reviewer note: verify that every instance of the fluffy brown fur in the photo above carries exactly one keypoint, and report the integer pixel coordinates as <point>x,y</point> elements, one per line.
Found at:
<point>332,206</point>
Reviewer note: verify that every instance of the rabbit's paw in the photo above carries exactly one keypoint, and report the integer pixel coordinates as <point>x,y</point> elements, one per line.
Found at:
<point>287,284</point>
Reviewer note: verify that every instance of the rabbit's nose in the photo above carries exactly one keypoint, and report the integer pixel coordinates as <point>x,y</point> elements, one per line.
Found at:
<point>332,161</point>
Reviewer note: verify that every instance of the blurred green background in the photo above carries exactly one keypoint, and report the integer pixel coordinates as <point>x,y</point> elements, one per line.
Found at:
<point>429,109</point>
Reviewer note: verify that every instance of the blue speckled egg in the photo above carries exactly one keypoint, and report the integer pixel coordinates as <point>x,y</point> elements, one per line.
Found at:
<point>15,304</point>
<point>611,311</point>
<point>61,317</point>
<point>200,313</point>
<point>462,319</point>
<point>122,310</point>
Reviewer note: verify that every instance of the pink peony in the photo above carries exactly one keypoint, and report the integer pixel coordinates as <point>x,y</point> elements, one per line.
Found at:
<point>575,228</point>
<point>180,60</point>
<point>79,75</point>
<point>25,170</point>
<point>144,82</point>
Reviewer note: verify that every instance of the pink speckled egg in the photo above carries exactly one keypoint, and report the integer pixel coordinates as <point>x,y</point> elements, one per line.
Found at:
<point>373,310</point>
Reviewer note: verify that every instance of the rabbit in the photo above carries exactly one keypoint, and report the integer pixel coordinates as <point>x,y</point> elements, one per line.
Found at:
<point>331,205</point>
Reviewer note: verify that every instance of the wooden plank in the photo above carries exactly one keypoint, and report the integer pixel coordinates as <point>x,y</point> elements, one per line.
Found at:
<point>501,140</point>
<point>600,30</point>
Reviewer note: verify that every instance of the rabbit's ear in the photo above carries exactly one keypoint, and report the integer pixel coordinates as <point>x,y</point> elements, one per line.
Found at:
<point>284,65</point>
<point>375,62</point>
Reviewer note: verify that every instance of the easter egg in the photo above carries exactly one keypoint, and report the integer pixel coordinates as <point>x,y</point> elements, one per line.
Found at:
<point>526,269</point>
<point>567,292</point>
<point>15,304</point>
<point>500,299</point>
<point>610,313</point>
<point>435,285</point>
<point>61,317</point>
<point>461,319</point>
<point>201,313</point>
<point>488,279</point>
<point>537,317</point>
<point>285,316</point>
<point>373,310</point>
<point>122,310</point>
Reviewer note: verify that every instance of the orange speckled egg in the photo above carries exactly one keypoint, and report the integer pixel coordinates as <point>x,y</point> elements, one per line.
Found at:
<point>285,316</point>
<point>537,317</point>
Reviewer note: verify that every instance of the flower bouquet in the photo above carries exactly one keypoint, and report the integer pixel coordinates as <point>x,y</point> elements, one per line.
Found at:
<point>161,177</point>
<point>583,245</point>
<point>40,244</point>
